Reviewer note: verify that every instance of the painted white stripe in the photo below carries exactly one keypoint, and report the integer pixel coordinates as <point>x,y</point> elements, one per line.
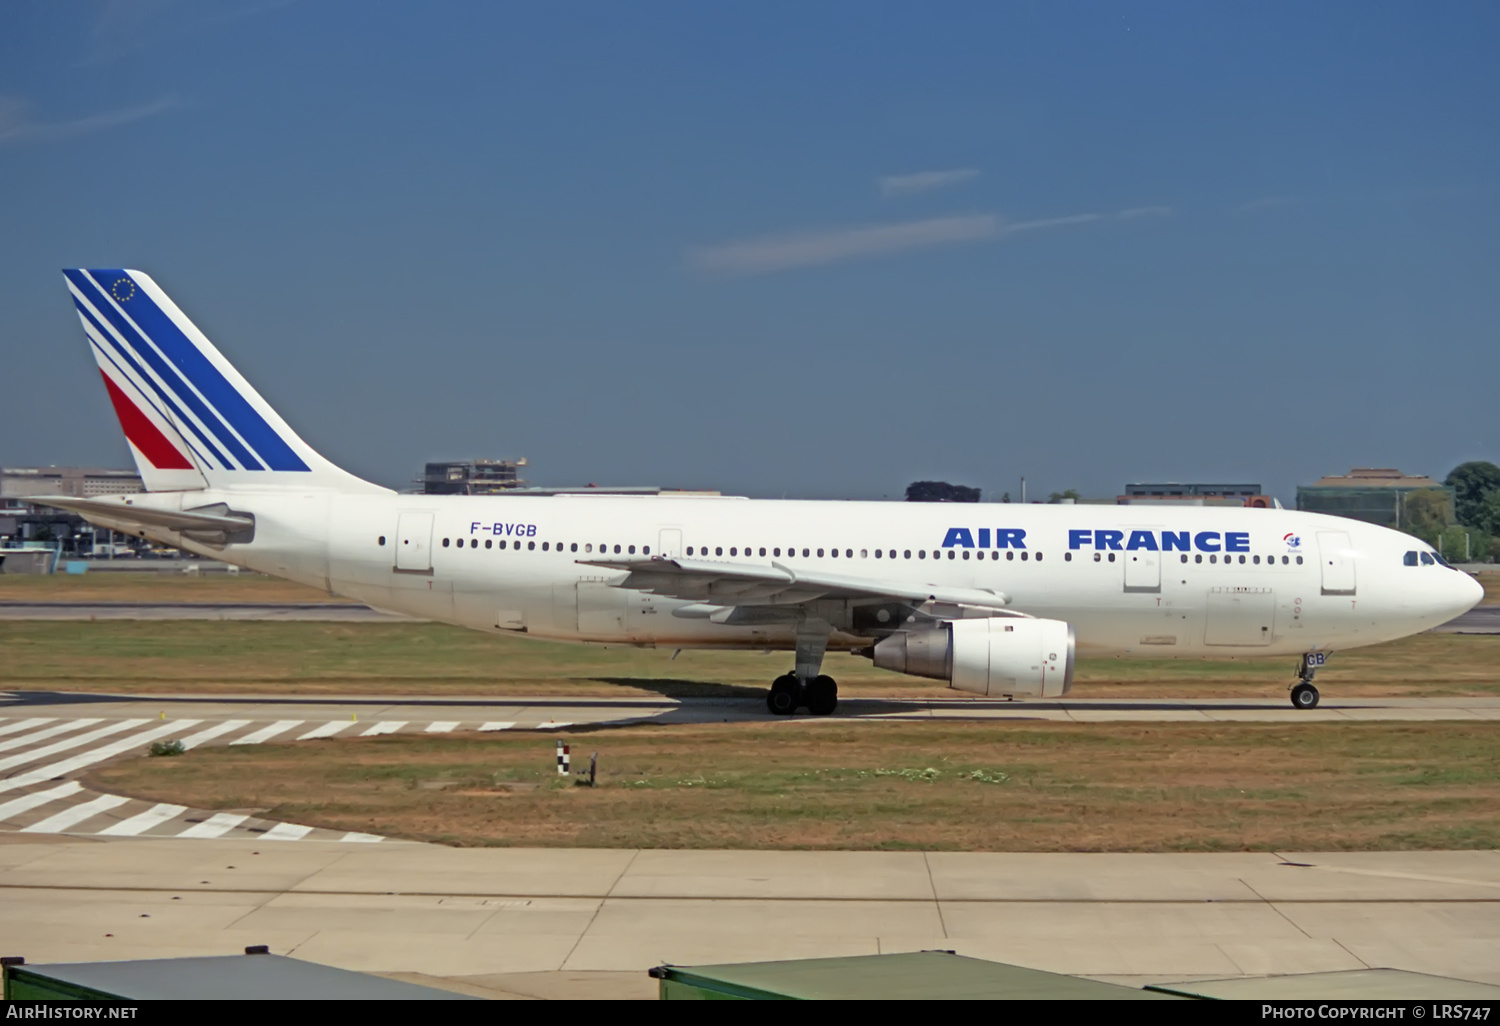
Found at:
<point>77,814</point>
<point>27,802</point>
<point>384,727</point>
<point>359,838</point>
<point>266,733</point>
<point>216,825</point>
<point>144,821</point>
<point>497,725</point>
<point>441,727</point>
<point>35,721</point>
<point>94,755</point>
<point>328,729</point>
<point>72,742</point>
<point>286,832</point>
<point>209,733</point>
<point>42,735</point>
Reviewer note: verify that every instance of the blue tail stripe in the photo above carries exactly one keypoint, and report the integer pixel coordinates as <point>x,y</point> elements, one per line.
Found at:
<point>205,377</point>
<point>166,371</point>
<point>165,397</point>
<point>105,353</point>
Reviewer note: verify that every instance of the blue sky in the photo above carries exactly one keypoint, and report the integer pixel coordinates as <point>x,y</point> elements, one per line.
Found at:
<point>801,249</point>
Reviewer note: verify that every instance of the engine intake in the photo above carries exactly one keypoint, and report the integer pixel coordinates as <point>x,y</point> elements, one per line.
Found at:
<point>993,656</point>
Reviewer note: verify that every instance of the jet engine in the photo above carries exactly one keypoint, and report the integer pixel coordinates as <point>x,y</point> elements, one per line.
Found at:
<point>993,656</point>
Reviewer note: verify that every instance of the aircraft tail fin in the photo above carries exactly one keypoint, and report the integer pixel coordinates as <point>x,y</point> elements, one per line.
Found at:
<point>191,419</point>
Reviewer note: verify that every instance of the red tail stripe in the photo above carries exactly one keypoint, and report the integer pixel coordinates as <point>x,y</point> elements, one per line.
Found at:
<point>143,434</point>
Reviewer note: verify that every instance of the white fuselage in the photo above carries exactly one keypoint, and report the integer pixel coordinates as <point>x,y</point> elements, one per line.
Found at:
<point>1159,582</point>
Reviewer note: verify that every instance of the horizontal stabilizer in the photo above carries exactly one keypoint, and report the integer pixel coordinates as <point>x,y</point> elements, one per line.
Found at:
<point>213,524</point>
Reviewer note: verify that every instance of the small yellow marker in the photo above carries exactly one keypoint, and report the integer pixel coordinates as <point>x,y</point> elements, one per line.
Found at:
<point>354,717</point>
<point>163,714</point>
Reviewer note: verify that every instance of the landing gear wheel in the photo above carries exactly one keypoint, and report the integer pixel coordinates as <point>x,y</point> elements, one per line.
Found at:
<point>785,695</point>
<point>1305,696</point>
<point>822,696</point>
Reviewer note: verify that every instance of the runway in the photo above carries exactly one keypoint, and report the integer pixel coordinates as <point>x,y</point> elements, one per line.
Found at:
<point>589,923</point>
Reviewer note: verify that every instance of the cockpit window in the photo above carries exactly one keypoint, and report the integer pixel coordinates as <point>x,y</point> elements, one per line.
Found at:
<point>1427,559</point>
<point>1410,559</point>
<point>1441,561</point>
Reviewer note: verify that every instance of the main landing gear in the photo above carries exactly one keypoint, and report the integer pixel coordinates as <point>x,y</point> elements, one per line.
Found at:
<point>1304,695</point>
<point>805,686</point>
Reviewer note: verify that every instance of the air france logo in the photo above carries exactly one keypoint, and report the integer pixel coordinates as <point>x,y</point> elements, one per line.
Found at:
<point>1292,541</point>
<point>1160,541</point>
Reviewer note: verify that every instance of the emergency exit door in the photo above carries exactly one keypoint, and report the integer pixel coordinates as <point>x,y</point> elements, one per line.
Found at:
<point>414,543</point>
<point>1143,571</point>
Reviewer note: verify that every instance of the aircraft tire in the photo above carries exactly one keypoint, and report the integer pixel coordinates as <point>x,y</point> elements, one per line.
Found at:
<point>822,696</point>
<point>1304,696</point>
<point>785,695</point>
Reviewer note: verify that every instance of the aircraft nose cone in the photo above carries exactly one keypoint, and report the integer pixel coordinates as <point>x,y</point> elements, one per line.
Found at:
<point>1467,593</point>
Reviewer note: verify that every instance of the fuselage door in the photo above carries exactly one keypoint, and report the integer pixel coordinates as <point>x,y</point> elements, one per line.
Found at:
<point>669,542</point>
<point>414,543</point>
<point>1143,571</point>
<point>1334,552</point>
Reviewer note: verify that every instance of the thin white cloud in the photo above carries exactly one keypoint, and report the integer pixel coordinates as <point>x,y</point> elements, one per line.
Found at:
<point>17,126</point>
<point>810,249</point>
<point>893,186</point>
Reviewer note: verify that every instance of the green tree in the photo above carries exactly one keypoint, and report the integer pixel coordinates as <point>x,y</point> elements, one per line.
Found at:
<point>1487,519</point>
<point>1425,513</point>
<point>1464,545</point>
<point>1473,483</point>
<point>940,491</point>
<point>1071,493</point>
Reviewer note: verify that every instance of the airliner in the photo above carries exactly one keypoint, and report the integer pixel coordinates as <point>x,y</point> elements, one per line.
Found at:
<point>997,600</point>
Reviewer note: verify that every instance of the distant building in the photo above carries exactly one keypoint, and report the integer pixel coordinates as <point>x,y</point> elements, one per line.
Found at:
<point>23,522</point>
<point>472,477</point>
<point>1375,495</point>
<point>1192,494</point>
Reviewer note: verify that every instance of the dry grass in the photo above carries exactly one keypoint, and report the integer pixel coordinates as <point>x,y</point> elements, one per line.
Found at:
<point>166,586</point>
<point>803,784</point>
<point>177,657</point>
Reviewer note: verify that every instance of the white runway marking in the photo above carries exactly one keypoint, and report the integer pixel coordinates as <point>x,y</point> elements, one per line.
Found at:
<point>209,733</point>
<point>359,838</point>
<point>383,727</point>
<point>35,721</point>
<point>42,735</point>
<point>216,825</point>
<point>92,756</point>
<point>72,742</point>
<point>77,814</point>
<point>326,730</point>
<point>441,727</point>
<point>139,824</point>
<point>497,725</point>
<point>27,802</point>
<point>266,733</point>
<point>286,832</point>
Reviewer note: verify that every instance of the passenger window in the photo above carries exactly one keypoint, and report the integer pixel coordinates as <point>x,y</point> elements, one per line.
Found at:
<point>502,543</point>
<point>645,550</point>
<point>445,543</point>
<point>966,553</point>
<point>1257,561</point>
<point>834,553</point>
<point>734,550</point>
<point>1024,554</point>
<point>805,552</point>
<point>877,553</point>
<point>1299,560</point>
<point>544,546</point>
<point>1111,556</point>
<point>820,553</point>
<point>908,553</point>
<point>1097,557</point>
<point>994,554</point>
<point>1410,559</point>
<point>1184,557</point>
<point>1068,557</point>
<point>488,543</point>
<point>848,553</point>
<point>1242,559</point>
<point>617,550</point>
<point>382,539</point>
<point>762,550</point>
<point>1198,558</point>
<point>473,543</point>
<point>1009,554</point>
<point>530,545</point>
<point>632,550</point>
<point>953,555</point>
<point>1427,559</point>
<point>1038,557</point>
<point>775,552</point>
<point>921,553</point>
<point>719,550</point>
<point>1213,559</point>
<point>1284,561</point>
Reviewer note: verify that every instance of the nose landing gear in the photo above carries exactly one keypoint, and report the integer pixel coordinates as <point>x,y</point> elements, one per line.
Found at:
<point>1304,694</point>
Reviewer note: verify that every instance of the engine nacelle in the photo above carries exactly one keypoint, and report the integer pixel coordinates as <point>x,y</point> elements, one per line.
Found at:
<point>993,656</point>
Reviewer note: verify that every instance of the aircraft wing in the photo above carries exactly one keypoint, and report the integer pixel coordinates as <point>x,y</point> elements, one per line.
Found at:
<point>749,584</point>
<point>209,523</point>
